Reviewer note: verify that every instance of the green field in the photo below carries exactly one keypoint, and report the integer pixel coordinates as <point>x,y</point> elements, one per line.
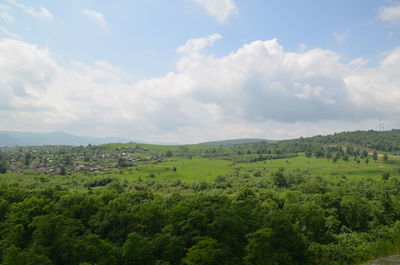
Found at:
<point>205,169</point>
<point>187,170</point>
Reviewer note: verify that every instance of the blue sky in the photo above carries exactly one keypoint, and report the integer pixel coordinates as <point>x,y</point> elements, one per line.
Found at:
<point>142,36</point>
<point>244,69</point>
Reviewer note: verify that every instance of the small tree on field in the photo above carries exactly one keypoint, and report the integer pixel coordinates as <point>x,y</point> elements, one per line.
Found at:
<point>364,153</point>
<point>385,157</point>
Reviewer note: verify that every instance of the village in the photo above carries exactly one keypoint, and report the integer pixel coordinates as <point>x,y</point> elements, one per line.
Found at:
<point>61,160</point>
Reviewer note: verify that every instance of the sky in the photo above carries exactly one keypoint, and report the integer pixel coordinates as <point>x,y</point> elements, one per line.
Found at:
<point>187,71</point>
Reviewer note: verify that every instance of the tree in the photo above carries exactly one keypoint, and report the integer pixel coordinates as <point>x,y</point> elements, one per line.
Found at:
<point>3,167</point>
<point>375,155</point>
<point>68,160</point>
<point>308,153</point>
<point>335,157</point>
<point>205,252</point>
<point>259,248</point>
<point>280,179</point>
<point>137,250</point>
<point>57,236</point>
<point>364,153</point>
<point>27,159</point>
<point>277,245</point>
<point>122,162</point>
<point>168,153</point>
<point>385,157</point>
<point>95,250</point>
<point>16,256</point>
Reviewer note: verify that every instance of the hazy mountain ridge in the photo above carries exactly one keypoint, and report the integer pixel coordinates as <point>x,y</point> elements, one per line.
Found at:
<point>10,138</point>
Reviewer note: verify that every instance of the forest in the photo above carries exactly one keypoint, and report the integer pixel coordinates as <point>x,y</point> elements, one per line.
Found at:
<point>320,200</point>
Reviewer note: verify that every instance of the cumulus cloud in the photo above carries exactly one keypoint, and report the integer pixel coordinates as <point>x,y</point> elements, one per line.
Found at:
<point>258,90</point>
<point>96,17</point>
<point>219,9</point>
<point>41,13</point>
<point>390,13</point>
<point>26,72</point>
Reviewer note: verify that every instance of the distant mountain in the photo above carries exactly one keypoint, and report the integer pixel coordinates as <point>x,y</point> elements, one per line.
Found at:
<point>10,138</point>
<point>238,141</point>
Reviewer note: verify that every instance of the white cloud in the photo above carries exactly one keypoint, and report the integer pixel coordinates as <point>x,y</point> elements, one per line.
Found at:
<point>219,9</point>
<point>96,17</point>
<point>41,13</point>
<point>8,34</point>
<point>4,14</point>
<point>390,14</point>
<point>26,72</point>
<point>340,37</point>
<point>259,90</point>
<point>194,46</point>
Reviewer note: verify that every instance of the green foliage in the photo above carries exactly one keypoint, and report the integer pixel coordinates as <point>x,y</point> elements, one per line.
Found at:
<point>280,179</point>
<point>16,256</point>
<point>205,252</point>
<point>3,167</point>
<point>27,159</point>
<point>137,250</point>
<point>68,160</point>
<point>122,162</point>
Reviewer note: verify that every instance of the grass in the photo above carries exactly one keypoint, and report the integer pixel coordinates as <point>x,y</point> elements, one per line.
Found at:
<point>187,170</point>
<point>204,169</point>
<point>325,167</point>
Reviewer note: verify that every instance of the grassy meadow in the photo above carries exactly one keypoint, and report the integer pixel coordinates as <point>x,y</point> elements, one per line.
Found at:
<point>207,169</point>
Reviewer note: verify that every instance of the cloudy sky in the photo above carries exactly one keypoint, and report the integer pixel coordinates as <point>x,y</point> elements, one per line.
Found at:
<point>186,71</point>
